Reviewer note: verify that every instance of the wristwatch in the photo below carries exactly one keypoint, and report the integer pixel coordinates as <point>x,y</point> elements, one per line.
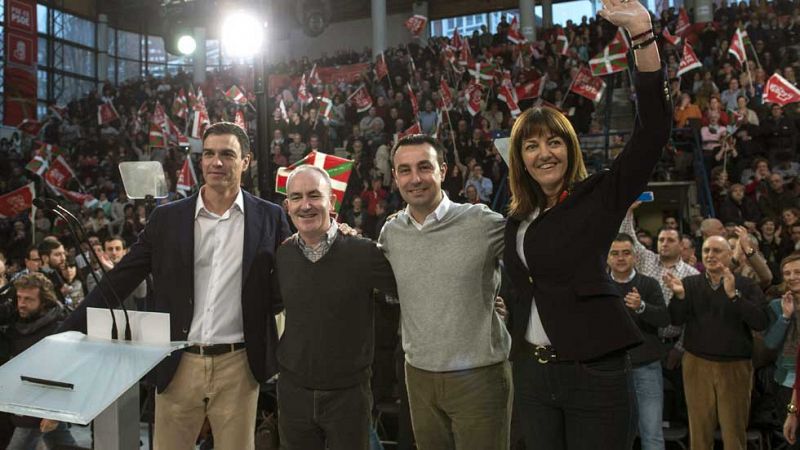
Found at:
<point>750,253</point>
<point>736,295</point>
<point>791,408</point>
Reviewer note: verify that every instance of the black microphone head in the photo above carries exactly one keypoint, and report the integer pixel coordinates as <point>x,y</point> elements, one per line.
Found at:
<point>51,203</point>
<point>39,203</point>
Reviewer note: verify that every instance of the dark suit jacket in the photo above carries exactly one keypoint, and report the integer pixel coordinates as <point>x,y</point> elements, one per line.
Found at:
<point>165,249</point>
<point>567,246</point>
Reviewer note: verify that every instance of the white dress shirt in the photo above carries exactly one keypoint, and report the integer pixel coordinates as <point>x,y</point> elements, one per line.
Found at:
<point>535,333</point>
<point>218,254</point>
<point>435,216</point>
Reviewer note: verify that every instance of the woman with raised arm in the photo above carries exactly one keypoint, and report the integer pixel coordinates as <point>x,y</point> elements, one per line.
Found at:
<point>570,327</point>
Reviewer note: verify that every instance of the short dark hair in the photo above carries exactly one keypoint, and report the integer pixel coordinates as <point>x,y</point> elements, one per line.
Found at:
<point>624,237</point>
<point>47,246</point>
<point>221,128</point>
<point>115,237</point>
<point>418,139</point>
<point>30,249</point>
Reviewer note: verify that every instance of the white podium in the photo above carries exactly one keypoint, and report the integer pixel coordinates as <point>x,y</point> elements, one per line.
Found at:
<point>72,377</point>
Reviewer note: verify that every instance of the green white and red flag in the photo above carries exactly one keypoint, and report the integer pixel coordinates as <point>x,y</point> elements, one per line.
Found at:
<point>613,58</point>
<point>338,168</point>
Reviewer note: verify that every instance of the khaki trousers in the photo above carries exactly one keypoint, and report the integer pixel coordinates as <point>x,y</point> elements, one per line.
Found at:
<point>717,393</point>
<point>464,410</point>
<point>221,388</point>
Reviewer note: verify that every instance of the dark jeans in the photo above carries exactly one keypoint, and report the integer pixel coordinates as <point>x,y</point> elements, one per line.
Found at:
<point>575,405</point>
<point>311,419</point>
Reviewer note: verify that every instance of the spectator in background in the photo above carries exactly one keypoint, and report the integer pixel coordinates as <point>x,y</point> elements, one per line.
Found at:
<point>689,253</point>
<point>747,261</point>
<point>428,119</point>
<point>297,148</point>
<point>729,96</point>
<point>98,224</point>
<point>686,111</point>
<point>71,279</point>
<point>780,133</point>
<point>783,335</point>
<point>738,208</point>
<point>744,116</point>
<point>356,216</point>
<point>776,199</point>
<point>33,263</point>
<point>482,185</point>
<point>719,309</point>
<point>371,196</point>
<point>714,106</point>
<point>39,314</point>
<point>54,256</point>
<point>645,303</point>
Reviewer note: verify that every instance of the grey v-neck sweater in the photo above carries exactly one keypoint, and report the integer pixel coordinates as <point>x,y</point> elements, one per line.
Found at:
<point>448,275</point>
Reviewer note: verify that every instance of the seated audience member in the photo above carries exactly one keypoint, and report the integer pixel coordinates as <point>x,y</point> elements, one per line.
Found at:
<point>686,110</point>
<point>39,314</point>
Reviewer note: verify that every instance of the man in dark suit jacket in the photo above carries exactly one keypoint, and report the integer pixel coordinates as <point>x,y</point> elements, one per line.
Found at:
<point>211,257</point>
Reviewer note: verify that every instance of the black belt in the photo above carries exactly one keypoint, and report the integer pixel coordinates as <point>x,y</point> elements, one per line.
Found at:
<point>215,349</point>
<point>543,354</point>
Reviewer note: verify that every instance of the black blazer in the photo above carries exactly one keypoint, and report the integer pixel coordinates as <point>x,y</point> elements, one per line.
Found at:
<point>166,249</point>
<point>567,246</point>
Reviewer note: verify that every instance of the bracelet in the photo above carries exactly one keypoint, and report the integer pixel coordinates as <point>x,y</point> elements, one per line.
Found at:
<point>641,35</point>
<point>643,44</point>
<point>642,38</point>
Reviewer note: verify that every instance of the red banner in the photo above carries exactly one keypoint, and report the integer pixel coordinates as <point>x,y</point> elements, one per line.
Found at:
<point>20,68</point>
<point>347,74</point>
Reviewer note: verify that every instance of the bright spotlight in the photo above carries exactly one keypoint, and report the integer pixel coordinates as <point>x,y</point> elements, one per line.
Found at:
<point>242,34</point>
<point>186,45</point>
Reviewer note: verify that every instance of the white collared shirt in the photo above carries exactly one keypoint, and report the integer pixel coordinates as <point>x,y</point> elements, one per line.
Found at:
<point>218,254</point>
<point>535,333</point>
<point>435,216</point>
<point>625,281</point>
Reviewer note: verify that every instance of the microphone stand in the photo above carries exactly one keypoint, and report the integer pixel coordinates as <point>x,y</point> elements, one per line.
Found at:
<point>71,222</point>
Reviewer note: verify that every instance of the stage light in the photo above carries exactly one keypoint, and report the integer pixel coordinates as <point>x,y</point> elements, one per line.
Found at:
<point>242,35</point>
<point>186,44</point>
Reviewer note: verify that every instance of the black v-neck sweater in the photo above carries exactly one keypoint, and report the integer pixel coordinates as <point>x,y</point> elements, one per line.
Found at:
<point>329,338</point>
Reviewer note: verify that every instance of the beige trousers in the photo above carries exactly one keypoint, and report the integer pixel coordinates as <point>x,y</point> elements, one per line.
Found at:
<point>221,388</point>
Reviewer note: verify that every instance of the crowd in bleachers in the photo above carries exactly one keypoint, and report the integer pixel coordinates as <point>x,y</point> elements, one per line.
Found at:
<point>749,149</point>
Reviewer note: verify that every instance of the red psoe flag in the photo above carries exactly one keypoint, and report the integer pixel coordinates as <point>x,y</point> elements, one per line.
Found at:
<point>416,24</point>
<point>689,60</point>
<point>779,90</point>
<point>361,99</point>
<point>17,201</point>
<point>588,86</point>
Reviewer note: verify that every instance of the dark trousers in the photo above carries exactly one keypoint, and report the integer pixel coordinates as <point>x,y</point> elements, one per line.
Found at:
<point>311,419</point>
<point>461,410</point>
<point>405,433</point>
<point>575,405</point>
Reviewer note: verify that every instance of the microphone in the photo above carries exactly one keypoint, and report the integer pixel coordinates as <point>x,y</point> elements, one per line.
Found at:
<point>51,205</point>
<point>55,206</point>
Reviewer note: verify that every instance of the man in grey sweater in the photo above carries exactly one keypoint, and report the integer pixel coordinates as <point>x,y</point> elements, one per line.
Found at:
<point>446,259</point>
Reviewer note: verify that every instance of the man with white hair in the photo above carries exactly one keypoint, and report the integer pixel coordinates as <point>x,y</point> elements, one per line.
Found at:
<point>719,310</point>
<point>326,281</point>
